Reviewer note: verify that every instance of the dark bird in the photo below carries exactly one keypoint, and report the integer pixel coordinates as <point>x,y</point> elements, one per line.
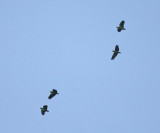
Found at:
<point>53,93</point>
<point>116,51</point>
<point>121,26</point>
<point>44,109</point>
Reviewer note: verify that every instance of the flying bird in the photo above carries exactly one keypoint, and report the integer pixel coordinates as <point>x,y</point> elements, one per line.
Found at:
<point>44,109</point>
<point>116,51</point>
<point>121,26</point>
<point>53,93</point>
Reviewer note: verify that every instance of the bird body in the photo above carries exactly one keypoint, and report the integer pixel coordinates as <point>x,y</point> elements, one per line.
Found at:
<point>115,52</point>
<point>44,109</point>
<point>121,26</point>
<point>53,93</point>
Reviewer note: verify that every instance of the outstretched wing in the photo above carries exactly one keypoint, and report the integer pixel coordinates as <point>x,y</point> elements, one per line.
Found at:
<point>54,91</point>
<point>51,95</point>
<point>122,23</point>
<point>117,48</point>
<point>114,55</point>
<point>45,107</point>
<point>42,112</point>
<point>119,30</point>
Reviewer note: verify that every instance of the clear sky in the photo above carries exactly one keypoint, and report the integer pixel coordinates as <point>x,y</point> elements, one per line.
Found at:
<point>67,45</point>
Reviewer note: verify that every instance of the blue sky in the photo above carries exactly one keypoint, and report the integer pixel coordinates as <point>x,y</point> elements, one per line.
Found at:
<point>68,45</point>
